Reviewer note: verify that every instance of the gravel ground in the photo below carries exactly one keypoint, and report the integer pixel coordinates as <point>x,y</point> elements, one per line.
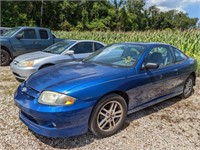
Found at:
<point>173,124</point>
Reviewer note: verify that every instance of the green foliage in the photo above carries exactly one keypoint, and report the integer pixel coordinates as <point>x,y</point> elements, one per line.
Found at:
<point>187,41</point>
<point>111,15</point>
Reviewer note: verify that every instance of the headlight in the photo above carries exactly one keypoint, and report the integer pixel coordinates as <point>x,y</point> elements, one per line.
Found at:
<point>54,98</point>
<point>26,63</point>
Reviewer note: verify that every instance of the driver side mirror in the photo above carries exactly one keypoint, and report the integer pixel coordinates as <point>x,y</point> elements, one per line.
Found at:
<point>70,52</point>
<point>149,66</point>
<point>19,36</point>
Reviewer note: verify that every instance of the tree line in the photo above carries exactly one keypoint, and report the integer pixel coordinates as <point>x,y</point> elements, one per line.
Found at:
<point>113,15</point>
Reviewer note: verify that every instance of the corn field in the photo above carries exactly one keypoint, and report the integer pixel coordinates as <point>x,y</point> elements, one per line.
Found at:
<point>187,41</point>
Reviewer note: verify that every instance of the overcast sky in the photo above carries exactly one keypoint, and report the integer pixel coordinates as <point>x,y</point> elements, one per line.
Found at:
<point>192,7</point>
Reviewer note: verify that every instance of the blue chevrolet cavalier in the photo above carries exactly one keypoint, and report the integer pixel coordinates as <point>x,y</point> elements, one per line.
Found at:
<point>97,93</point>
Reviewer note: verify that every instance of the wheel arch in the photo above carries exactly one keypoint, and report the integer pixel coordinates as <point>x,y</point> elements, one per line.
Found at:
<point>193,74</point>
<point>46,65</point>
<point>7,49</point>
<point>120,93</point>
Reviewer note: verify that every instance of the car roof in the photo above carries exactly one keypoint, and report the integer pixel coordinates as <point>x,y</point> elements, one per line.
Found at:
<point>85,41</point>
<point>32,27</point>
<point>5,28</point>
<point>145,43</point>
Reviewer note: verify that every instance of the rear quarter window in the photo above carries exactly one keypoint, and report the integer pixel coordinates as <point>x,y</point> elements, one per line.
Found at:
<point>179,56</point>
<point>98,46</point>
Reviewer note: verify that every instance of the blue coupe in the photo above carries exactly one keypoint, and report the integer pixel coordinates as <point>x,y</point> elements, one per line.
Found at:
<point>98,92</point>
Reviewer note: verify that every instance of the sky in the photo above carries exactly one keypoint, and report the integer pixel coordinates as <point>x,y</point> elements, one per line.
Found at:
<point>191,7</point>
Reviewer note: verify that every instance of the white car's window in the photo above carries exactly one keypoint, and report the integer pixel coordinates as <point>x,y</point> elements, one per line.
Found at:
<point>59,47</point>
<point>83,47</point>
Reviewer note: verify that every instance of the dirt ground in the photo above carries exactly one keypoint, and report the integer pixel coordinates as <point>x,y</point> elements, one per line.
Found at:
<point>172,124</point>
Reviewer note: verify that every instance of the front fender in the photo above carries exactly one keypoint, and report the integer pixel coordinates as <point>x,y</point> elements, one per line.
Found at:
<point>5,44</point>
<point>95,90</point>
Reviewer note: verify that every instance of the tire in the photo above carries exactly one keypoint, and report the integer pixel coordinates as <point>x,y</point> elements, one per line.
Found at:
<point>188,87</point>
<point>5,58</point>
<point>108,116</point>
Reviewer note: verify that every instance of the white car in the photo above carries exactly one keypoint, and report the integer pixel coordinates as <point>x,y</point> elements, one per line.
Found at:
<point>68,50</point>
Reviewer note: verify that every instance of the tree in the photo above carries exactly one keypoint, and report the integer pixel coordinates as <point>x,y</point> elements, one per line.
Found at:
<point>114,15</point>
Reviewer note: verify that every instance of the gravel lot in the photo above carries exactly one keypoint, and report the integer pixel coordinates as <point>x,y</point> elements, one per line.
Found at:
<point>173,124</point>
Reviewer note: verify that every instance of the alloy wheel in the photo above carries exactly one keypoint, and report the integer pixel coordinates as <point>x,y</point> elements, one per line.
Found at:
<point>188,87</point>
<point>110,116</point>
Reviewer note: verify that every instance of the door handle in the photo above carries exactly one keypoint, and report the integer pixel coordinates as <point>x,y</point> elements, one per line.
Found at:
<point>161,76</point>
<point>176,70</point>
<point>35,42</point>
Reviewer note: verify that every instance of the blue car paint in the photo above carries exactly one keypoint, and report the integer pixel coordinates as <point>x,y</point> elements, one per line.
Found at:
<point>88,82</point>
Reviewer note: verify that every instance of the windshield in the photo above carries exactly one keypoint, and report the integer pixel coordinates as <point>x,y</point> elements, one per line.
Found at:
<point>124,55</point>
<point>59,47</point>
<point>10,32</point>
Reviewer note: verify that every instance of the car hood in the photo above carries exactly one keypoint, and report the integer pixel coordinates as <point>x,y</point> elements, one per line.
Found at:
<point>3,38</point>
<point>70,75</point>
<point>33,56</point>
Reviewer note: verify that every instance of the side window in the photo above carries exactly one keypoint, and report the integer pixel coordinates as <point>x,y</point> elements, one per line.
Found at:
<point>98,46</point>
<point>28,34</point>
<point>84,47</point>
<point>43,34</point>
<point>179,55</point>
<point>160,55</point>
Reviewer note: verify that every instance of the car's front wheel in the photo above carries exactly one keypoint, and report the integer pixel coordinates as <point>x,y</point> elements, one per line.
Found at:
<point>5,58</point>
<point>108,116</point>
<point>188,87</point>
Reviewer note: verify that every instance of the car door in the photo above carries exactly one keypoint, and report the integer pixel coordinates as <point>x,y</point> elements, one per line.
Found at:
<point>156,83</point>
<point>26,43</point>
<point>82,50</point>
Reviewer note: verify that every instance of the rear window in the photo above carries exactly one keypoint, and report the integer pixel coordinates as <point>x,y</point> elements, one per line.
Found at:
<point>43,34</point>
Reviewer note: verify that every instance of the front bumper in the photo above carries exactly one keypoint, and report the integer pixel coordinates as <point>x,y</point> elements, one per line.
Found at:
<point>53,121</point>
<point>22,72</point>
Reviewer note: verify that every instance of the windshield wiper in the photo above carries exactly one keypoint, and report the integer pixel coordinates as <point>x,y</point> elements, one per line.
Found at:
<point>48,52</point>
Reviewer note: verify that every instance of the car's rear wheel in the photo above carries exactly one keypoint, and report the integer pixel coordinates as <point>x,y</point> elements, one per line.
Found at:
<point>5,58</point>
<point>108,116</point>
<point>188,87</point>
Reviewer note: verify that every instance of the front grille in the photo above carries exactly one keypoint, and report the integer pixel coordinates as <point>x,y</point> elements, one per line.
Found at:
<point>16,62</point>
<point>30,91</point>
